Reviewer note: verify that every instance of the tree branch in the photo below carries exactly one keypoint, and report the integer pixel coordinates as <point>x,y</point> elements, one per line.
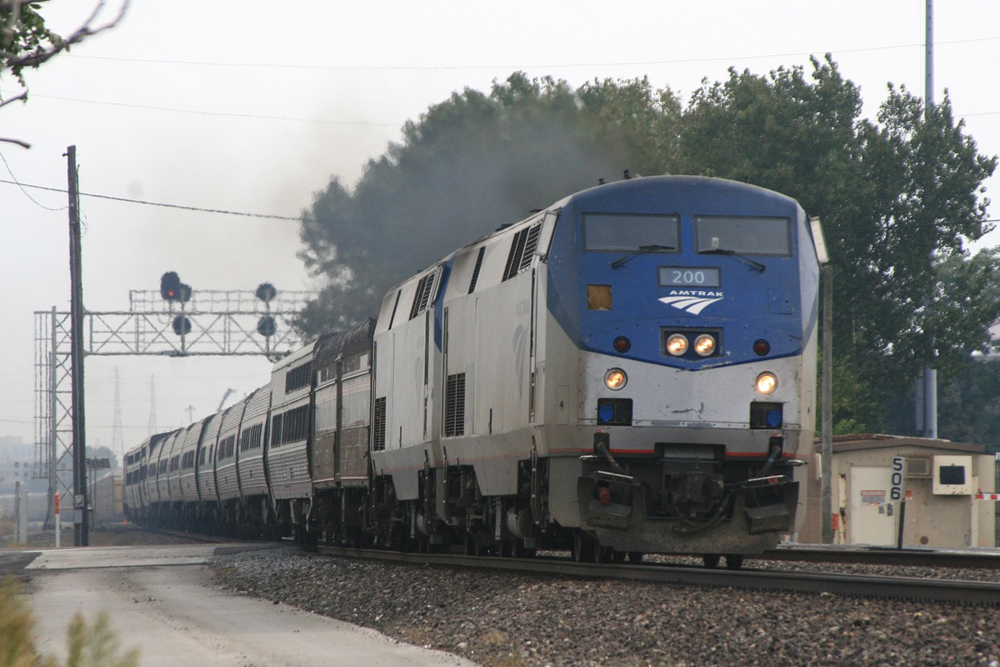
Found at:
<point>22,96</point>
<point>23,144</point>
<point>62,44</point>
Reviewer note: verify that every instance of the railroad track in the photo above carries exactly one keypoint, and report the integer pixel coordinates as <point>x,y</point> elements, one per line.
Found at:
<point>867,586</point>
<point>886,556</point>
<point>854,585</point>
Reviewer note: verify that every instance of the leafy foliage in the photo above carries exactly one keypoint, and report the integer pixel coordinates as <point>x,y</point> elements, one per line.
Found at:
<point>94,645</point>
<point>969,406</point>
<point>28,36</point>
<point>16,646</point>
<point>471,164</point>
<point>899,197</point>
<point>26,42</point>
<point>896,199</point>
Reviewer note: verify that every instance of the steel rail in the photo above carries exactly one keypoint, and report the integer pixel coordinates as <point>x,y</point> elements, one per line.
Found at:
<point>867,586</point>
<point>986,559</point>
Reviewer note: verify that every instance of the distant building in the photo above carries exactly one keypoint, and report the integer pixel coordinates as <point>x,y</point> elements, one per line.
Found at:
<point>17,461</point>
<point>948,487</point>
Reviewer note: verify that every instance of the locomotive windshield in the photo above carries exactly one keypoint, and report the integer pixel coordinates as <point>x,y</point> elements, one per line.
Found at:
<point>746,236</point>
<point>624,232</point>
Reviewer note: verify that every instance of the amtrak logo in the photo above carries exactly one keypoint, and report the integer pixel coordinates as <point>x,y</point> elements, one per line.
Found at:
<point>692,301</point>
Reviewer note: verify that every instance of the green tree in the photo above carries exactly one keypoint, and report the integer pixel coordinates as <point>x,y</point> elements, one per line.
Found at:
<point>898,197</point>
<point>969,395</point>
<point>969,405</point>
<point>469,165</point>
<point>644,121</point>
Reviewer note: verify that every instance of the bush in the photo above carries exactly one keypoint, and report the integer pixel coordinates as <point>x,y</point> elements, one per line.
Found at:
<point>89,646</point>
<point>16,646</point>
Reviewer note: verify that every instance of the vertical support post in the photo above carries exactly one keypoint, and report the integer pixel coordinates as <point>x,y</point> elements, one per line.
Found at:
<point>826,423</point>
<point>929,56</point>
<point>80,527</point>
<point>902,519</point>
<point>930,402</point>
<point>21,511</point>
<point>58,522</point>
<point>54,453</point>
<point>930,429</point>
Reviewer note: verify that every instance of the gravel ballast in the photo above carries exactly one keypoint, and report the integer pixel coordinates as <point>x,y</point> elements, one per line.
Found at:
<point>497,618</point>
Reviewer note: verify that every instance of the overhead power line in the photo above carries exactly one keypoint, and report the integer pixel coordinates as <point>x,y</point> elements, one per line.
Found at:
<point>197,208</point>
<point>18,184</point>
<point>627,63</point>
<point>221,113</point>
<point>245,214</point>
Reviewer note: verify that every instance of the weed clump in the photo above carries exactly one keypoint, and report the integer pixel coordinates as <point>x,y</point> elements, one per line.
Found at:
<point>94,645</point>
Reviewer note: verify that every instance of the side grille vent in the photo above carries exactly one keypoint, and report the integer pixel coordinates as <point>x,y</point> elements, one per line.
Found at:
<point>454,405</point>
<point>378,427</point>
<point>530,245</point>
<point>423,295</point>
<point>917,467</point>
<point>522,247</point>
<point>475,271</point>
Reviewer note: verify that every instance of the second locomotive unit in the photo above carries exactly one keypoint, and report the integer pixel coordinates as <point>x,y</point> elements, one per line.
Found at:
<point>630,370</point>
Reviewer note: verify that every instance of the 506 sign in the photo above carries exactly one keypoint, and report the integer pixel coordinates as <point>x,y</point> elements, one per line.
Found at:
<point>896,489</point>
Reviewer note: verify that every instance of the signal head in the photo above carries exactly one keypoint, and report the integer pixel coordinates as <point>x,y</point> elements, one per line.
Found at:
<point>170,285</point>
<point>266,292</point>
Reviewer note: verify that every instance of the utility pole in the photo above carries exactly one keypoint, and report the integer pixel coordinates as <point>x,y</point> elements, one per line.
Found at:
<point>826,445</point>
<point>826,384</point>
<point>80,519</point>
<point>929,57</point>
<point>929,404</point>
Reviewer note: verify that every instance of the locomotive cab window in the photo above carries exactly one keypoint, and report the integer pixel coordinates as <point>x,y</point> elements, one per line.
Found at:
<point>622,232</point>
<point>744,235</point>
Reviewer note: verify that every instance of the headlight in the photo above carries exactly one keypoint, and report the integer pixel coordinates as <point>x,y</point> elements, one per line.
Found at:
<point>615,379</point>
<point>767,382</point>
<point>677,344</point>
<point>704,345</point>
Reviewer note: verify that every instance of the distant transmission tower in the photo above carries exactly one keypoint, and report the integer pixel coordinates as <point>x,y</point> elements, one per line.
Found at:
<point>117,439</point>
<point>152,404</point>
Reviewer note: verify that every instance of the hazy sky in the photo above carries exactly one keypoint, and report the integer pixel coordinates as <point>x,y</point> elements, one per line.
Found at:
<point>254,106</point>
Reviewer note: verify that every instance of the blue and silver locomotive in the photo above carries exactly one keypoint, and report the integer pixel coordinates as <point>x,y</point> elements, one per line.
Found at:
<point>630,370</point>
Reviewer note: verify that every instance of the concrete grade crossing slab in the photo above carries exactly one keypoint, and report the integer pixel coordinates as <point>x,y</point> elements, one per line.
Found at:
<point>99,557</point>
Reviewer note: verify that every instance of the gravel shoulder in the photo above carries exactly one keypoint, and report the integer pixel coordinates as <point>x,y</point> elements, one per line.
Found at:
<point>509,619</point>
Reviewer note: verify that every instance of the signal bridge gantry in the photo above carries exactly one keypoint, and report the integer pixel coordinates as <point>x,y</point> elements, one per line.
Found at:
<point>211,322</point>
<point>175,321</point>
